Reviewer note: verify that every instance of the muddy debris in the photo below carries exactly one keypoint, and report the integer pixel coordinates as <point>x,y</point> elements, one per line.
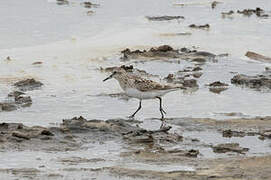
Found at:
<point>16,100</point>
<point>204,27</point>
<point>266,134</point>
<point>231,133</point>
<point>257,11</point>
<point>88,4</point>
<point>163,18</point>
<point>90,13</point>
<point>4,106</point>
<point>28,84</point>
<point>166,52</point>
<point>217,84</point>
<point>62,2</point>
<point>190,72</point>
<point>255,82</point>
<point>256,56</point>
<point>157,137</point>
<point>227,14</point>
<point>229,147</point>
<point>37,63</point>
<point>217,87</point>
<point>178,78</point>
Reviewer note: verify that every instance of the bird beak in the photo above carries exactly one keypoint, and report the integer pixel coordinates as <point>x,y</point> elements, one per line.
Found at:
<point>109,77</point>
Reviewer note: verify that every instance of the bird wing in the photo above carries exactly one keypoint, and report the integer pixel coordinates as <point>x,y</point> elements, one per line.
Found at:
<point>149,85</point>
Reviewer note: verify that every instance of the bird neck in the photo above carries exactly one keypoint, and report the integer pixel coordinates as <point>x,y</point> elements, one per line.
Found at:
<point>124,81</point>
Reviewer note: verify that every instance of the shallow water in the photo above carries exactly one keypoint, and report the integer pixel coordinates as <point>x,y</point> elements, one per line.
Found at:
<point>72,47</point>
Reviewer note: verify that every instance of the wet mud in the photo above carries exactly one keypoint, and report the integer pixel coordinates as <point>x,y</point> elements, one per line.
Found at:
<point>168,146</point>
<point>235,147</point>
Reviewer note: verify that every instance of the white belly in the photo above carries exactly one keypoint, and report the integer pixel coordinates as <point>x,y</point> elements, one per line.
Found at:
<point>144,95</point>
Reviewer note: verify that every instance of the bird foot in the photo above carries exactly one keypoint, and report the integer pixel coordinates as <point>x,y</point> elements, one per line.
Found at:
<point>163,122</point>
<point>162,110</point>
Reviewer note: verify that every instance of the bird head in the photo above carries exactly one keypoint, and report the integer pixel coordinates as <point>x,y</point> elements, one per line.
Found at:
<point>116,73</point>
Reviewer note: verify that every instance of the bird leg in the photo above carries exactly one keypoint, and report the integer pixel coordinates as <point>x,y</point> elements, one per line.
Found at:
<point>161,108</point>
<point>139,107</point>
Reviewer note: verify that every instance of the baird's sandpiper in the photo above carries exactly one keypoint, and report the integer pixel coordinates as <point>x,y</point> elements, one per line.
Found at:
<point>140,88</point>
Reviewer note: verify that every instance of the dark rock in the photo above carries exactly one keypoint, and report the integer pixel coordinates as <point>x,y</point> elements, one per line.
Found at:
<point>163,18</point>
<point>229,147</point>
<point>28,84</point>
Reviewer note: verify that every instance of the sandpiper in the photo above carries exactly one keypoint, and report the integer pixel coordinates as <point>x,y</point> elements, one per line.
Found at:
<point>140,88</point>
